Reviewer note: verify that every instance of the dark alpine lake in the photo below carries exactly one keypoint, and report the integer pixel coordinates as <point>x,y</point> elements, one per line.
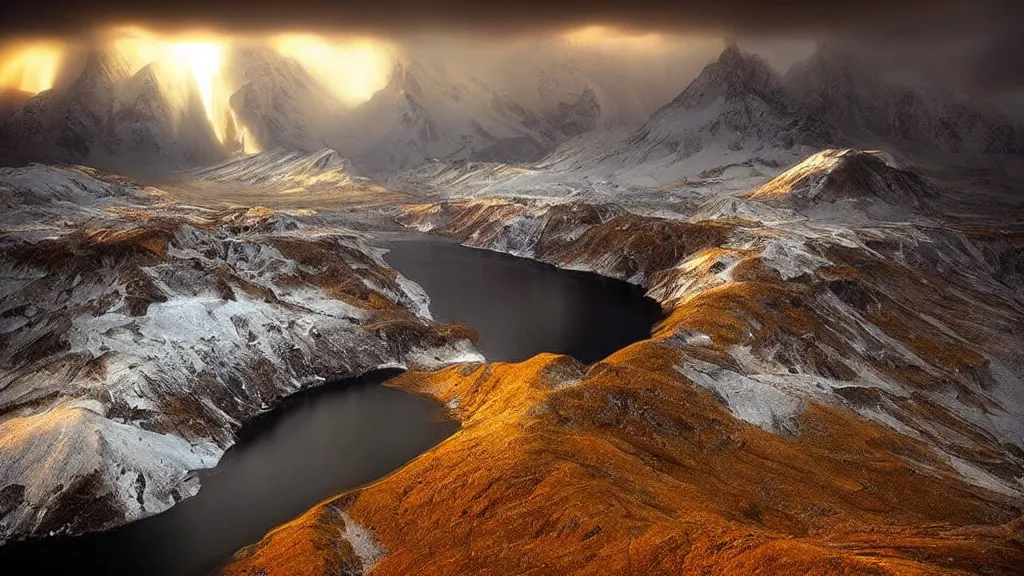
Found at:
<point>348,433</point>
<point>523,307</point>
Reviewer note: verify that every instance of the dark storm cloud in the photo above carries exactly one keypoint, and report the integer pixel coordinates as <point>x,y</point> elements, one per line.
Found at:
<point>398,16</point>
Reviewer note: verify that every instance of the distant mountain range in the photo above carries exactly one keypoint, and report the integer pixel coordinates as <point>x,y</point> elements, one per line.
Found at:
<point>739,123</point>
<point>737,112</point>
<point>109,117</point>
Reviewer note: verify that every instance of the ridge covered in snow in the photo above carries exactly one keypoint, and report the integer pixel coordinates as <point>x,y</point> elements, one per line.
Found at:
<point>739,123</point>
<point>137,335</point>
<point>285,169</point>
<point>105,116</point>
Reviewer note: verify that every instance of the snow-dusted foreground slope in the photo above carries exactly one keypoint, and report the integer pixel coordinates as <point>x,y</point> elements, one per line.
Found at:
<point>834,283</point>
<point>137,335</point>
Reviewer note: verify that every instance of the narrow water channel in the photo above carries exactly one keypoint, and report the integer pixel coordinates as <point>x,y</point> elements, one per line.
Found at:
<point>339,436</point>
<point>522,307</point>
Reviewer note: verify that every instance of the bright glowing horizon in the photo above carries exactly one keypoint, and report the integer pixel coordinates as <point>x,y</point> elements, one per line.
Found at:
<point>178,59</point>
<point>607,37</point>
<point>352,69</point>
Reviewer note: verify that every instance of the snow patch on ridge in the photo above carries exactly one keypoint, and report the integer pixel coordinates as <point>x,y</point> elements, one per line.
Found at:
<point>366,547</point>
<point>432,358</point>
<point>748,399</point>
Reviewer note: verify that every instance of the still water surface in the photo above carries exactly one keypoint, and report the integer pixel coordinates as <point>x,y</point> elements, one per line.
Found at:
<point>522,307</point>
<point>348,433</point>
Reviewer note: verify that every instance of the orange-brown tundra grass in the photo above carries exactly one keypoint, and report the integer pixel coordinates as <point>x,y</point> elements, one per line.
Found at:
<point>626,467</point>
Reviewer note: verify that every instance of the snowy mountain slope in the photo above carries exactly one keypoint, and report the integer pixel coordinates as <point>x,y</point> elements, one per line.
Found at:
<point>849,181</point>
<point>285,170</point>
<point>735,113</point>
<point>162,120</point>
<point>423,114</point>
<point>136,337</point>
<point>106,117</point>
<point>737,102</point>
<point>280,103</point>
<point>872,111</point>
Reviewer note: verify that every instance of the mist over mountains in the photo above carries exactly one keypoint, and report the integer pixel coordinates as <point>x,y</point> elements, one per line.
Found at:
<point>572,106</point>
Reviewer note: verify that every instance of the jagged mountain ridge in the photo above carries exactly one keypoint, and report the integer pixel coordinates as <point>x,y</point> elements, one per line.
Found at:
<point>281,104</point>
<point>738,112</point>
<point>423,114</point>
<point>420,114</point>
<point>739,123</point>
<point>108,117</point>
<point>738,102</point>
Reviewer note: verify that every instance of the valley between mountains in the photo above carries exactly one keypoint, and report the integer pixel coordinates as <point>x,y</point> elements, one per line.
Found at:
<point>835,386</point>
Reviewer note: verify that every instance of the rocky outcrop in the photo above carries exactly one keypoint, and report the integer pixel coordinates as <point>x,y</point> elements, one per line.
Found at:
<point>137,336</point>
<point>852,181</point>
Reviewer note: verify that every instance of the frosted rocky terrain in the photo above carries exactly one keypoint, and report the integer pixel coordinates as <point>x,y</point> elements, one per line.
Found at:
<point>138,335</point>
<point>827,247</point>
<point>834,282</point>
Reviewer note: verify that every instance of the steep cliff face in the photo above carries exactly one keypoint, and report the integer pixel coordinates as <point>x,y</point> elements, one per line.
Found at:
<point>139,335</point>
<point>105,116</point>
<point>280,104</point>
<point>825,395</point>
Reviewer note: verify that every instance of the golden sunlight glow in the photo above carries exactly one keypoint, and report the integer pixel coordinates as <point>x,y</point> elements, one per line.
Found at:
<point>31,67</point>
<point>203,61</point>
<point>609,38</point>
<point>245,137</point>
<point>353,69</point>
<point>178,60</point>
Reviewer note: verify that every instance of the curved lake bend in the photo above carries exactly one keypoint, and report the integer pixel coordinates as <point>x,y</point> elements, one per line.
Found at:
<point>522,307</point>
<point>318,443</point>
<point>339,436</point>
